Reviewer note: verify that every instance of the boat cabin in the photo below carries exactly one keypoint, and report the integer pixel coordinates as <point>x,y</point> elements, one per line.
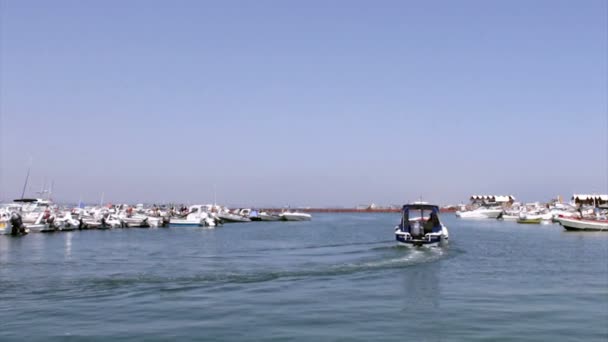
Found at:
<point>419,219</point>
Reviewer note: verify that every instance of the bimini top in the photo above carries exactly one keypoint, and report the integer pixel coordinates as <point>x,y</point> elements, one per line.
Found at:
<point>26,200</point>
<point>420,206</point>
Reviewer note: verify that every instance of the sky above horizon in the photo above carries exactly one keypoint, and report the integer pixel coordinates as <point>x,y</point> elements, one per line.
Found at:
<point>303,103</point>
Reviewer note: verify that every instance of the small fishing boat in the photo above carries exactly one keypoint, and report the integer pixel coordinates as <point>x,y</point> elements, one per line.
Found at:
<point>577,224</point>
<point>423,230</point>
<point>529,220</point>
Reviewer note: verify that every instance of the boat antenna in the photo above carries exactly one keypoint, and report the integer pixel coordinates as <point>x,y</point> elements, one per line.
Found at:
<point>101,201</point>
<point>51,190</point>
<point>27,178</point>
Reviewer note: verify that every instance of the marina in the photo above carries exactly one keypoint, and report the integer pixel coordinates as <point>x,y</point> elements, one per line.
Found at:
<point>303,171</point>
<point>304,281</point>
<point>36,215</point>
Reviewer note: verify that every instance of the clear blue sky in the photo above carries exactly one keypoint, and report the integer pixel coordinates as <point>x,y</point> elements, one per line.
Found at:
<point>304,102</point>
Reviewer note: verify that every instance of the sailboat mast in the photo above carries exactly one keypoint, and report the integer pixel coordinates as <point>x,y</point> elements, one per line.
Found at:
<point>27,178</point>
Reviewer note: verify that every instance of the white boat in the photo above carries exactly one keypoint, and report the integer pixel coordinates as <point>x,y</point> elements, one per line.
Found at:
<point>420,226</point>
<point>232,217</point>
<point>577,224</point>
<point>11,223</point>
<point>295,216</point>
<point>5,227</point>
<point>509,215</point>
<point>135,221</point>
<point>269,216</point>
<point>480,213</point>
<point>67,222</point>
<point>197,217</point>
<point>155,221</point>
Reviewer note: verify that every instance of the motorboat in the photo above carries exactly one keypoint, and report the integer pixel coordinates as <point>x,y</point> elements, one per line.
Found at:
<point>12,224</point>
<point>67,222</point>
<point>197,216</point>
<point>509,215</point>
<point>583,224</point>
<point>529,220</point>
<point>295,216</point>
<point>254,215</point>
<point>420,226</point>
<point>237,215</point>
<point>269,216</point>
<point>480,213</point>
<point>136,221</point>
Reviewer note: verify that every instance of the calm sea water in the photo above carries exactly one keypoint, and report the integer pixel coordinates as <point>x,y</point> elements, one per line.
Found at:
<point>338,277</point>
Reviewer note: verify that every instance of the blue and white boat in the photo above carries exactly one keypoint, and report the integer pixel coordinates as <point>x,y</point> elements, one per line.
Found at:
<point>420,226</point>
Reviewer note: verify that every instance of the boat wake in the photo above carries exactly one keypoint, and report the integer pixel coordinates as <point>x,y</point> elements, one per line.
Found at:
<point>382,258</point>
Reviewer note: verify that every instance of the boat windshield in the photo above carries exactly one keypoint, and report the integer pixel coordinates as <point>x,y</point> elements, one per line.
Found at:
<point>425,217</point>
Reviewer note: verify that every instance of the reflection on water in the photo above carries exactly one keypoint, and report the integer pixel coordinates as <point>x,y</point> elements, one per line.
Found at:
<point>68,245</point>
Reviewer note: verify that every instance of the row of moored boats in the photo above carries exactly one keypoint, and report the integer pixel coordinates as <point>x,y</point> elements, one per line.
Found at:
<point>570,216</point>
<point>39,215</point>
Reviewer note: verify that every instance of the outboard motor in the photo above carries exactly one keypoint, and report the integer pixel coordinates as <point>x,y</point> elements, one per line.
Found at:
<point>416,229</point>
<point>51,222</point>
<point>17,224</point>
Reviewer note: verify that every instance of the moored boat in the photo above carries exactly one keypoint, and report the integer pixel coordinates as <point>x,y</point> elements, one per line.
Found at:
<point>578,224</point>
<point>232,217</point>
<point>480,213</point>
<point>295,216</point>
<point>269,216</point>
<point>529,220</point>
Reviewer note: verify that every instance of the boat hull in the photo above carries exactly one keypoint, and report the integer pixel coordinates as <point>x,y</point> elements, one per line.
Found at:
<point>295,217</point>
<point>428,240</point>
<point>184,223</point>
<point>232,218</point>
<point>479,214</point>
<point>583,225</point>
<point>270,217</point>
<point>529,221</point>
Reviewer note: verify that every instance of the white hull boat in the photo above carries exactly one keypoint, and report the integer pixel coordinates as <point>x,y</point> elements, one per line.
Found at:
<point>40,228</point>
<point>295,216</point>
<point>576,224</point>
<point>6,227</point>
<point>480,213</point>
<point>136,221</point>
<point>185,222</point>
<point>227,217</point>
<point>269,217</point>
<point>423,231</point>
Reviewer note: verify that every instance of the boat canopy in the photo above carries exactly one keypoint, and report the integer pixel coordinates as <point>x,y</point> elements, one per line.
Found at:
<point>432,224</point>
<point>417,206</point>
<point>27,200</point>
